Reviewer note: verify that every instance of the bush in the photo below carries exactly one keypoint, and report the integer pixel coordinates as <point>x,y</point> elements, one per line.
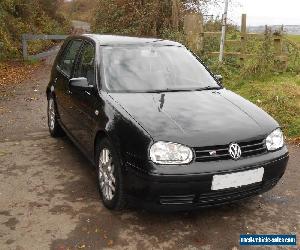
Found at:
<point>133,17</point>
<point>27,16</point>
<point>262,61</point>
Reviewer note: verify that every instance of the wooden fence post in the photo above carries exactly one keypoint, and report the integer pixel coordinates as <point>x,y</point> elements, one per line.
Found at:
<point>175,14</point>
<point>24,46</point>
<point>243,36</point>
<point>278,44</point>
<point>281,58</point>
<point>201,33</point>
<point>194,31</point>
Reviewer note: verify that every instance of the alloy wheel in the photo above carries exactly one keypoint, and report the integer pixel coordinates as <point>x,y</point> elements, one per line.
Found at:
<point>51,114</point>
<point>106,175</point>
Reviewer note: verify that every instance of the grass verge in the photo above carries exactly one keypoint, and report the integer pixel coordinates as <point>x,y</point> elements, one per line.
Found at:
<point>278,95</point>
<point>294,38</point>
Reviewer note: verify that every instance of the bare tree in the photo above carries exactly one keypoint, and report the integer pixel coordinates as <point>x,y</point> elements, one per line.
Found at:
<point>201,6</point>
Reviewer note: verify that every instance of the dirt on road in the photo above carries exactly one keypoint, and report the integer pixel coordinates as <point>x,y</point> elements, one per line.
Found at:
<point>49,197</point>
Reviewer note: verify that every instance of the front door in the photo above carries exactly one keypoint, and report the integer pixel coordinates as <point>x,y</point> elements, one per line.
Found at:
<point>64,71</point>
<point>85,100</point>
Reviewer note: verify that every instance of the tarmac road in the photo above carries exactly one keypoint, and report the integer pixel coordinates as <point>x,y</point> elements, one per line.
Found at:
<point>49,197</point>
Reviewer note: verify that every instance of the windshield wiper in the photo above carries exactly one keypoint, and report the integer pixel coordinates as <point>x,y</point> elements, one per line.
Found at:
<point>167,90</point>
<point>207,88</point>
<point>178,90</point>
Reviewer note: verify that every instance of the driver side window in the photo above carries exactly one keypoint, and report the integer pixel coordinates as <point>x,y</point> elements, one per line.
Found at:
<point>86,64</point>
<point>68,59</point>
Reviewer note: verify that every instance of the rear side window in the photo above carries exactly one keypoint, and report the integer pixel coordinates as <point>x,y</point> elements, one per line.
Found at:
<point>69,56</point>
<point>86,65</point>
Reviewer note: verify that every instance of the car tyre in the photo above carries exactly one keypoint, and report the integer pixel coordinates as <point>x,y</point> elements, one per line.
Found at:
<point>53,125</point>
<point>110,177</point>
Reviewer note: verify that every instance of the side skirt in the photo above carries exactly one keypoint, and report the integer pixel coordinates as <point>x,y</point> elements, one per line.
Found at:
<point>77,144</point>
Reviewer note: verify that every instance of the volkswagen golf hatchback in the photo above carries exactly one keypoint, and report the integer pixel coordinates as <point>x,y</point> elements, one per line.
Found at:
<point>159,126</point>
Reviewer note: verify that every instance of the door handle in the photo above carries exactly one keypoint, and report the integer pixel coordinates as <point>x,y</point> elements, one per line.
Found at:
<point>87,92</point>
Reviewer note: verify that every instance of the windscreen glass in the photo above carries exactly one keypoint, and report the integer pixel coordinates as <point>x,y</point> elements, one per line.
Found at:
<point>153,68</point>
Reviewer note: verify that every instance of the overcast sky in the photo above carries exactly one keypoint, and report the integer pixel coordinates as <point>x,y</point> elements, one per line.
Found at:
<point>261,12</point>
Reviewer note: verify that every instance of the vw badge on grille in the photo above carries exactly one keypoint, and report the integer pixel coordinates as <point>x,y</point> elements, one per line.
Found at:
<point>212,153</point>
<point>235,151</point>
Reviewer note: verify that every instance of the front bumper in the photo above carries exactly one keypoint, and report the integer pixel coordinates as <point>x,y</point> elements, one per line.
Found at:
<point>192,191</point>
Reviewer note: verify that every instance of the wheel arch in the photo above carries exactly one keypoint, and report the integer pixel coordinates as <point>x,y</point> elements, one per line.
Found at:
<point>49,93</point>
<point>100,135</point>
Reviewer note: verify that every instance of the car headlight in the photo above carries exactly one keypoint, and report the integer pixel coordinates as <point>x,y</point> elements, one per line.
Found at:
<point>275,140</point>
<point>170,153</point>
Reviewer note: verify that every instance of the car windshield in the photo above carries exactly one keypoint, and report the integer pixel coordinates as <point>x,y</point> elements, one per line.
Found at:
<point>154,69</point>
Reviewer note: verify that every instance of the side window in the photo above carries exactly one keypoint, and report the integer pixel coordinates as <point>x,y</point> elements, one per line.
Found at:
<point>69,56</point>
<point>86,64</point>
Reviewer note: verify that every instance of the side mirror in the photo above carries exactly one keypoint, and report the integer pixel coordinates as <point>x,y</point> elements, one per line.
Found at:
<point>219,78</point>
<point>80,83</point>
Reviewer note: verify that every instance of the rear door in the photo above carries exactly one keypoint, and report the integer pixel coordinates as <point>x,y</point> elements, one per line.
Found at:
<point>85,100</point>
<point>65,69</point>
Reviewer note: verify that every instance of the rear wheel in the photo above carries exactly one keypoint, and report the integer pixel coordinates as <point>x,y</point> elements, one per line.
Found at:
<point>53,125</point>
<point>110,179</point>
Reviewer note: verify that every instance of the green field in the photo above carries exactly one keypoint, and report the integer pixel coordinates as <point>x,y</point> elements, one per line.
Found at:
<point>278,95</point>
<point>294,38</point>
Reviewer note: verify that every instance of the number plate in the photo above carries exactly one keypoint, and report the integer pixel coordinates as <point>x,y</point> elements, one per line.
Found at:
<point>237,179</point>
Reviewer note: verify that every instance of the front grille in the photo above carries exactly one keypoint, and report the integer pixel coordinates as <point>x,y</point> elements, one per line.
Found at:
<point>221,196</point>
<point>176,199</point>
<point>220,152</point>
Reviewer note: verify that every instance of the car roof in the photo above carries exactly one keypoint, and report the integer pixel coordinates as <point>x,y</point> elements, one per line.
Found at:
<point>114,40</point>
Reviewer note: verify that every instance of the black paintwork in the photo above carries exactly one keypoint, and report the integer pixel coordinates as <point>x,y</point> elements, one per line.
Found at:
<point>134,121</point>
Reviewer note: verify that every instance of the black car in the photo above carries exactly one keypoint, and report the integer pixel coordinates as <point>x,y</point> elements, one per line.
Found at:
<point>159,126</point>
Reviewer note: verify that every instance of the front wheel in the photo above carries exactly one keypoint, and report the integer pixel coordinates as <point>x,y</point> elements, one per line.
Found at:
<point>53,125</point>
<point>110,178</point>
